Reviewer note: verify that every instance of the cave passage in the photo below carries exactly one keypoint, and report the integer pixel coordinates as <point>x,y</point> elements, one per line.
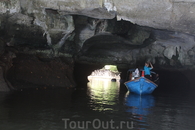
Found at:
<point>170,81</point>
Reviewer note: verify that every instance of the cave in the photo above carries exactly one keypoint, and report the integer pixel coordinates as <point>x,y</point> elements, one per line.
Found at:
<point>48,48</point>
<point>45,47</point>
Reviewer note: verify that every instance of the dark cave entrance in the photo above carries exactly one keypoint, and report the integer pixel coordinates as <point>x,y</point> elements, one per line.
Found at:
<point>170,81</point>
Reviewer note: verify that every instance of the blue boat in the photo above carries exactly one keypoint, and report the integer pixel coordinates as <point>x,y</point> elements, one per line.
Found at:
<point>140,85</point>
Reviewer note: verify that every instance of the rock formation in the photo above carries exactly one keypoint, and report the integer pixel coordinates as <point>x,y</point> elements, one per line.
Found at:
<point>103,31</point>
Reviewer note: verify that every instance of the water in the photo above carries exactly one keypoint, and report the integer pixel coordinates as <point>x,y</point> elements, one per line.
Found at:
<point>100,104</point>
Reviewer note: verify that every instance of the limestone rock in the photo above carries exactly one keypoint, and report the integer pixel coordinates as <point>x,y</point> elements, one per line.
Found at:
<point>3,84</point>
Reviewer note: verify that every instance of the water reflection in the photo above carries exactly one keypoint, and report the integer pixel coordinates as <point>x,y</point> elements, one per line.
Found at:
<point>139,106</point>
<point>103,93</point>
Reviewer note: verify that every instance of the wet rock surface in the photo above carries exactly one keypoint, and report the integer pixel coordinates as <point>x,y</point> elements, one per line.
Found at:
<point>30,71</point>
<point>123,33</point>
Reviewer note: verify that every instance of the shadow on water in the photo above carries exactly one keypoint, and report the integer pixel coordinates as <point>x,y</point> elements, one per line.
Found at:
<point>34,109</point>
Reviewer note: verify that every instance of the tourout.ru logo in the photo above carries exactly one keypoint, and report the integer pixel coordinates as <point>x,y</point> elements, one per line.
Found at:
<point>97,124</point>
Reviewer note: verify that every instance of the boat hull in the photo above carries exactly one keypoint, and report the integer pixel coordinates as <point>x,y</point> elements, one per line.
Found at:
<point>141,86</point>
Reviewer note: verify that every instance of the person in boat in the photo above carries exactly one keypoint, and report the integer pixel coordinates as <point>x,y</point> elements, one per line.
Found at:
<point>148,66</point>
<point>136,72</point>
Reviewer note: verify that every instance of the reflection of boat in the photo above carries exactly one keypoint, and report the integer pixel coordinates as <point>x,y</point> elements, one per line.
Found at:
<point>139,104</point>
<point>140,85</point>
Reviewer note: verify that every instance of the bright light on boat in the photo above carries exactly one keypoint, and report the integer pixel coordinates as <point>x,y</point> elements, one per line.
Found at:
<point>107,72</point>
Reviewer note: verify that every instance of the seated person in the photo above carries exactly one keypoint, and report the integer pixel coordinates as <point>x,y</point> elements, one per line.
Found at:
<point>136,73</point>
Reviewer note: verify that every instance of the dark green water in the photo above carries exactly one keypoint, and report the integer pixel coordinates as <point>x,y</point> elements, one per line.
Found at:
<point>97,105</point>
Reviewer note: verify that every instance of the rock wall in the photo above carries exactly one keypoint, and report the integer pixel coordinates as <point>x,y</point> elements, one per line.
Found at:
<point>101,31</point>
<point>175,15</point>
<point>3,85</point>
<point>30,71</point>
<point>51,24</point>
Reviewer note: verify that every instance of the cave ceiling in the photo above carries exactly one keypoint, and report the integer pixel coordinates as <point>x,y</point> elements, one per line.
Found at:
<point>103,31</point>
